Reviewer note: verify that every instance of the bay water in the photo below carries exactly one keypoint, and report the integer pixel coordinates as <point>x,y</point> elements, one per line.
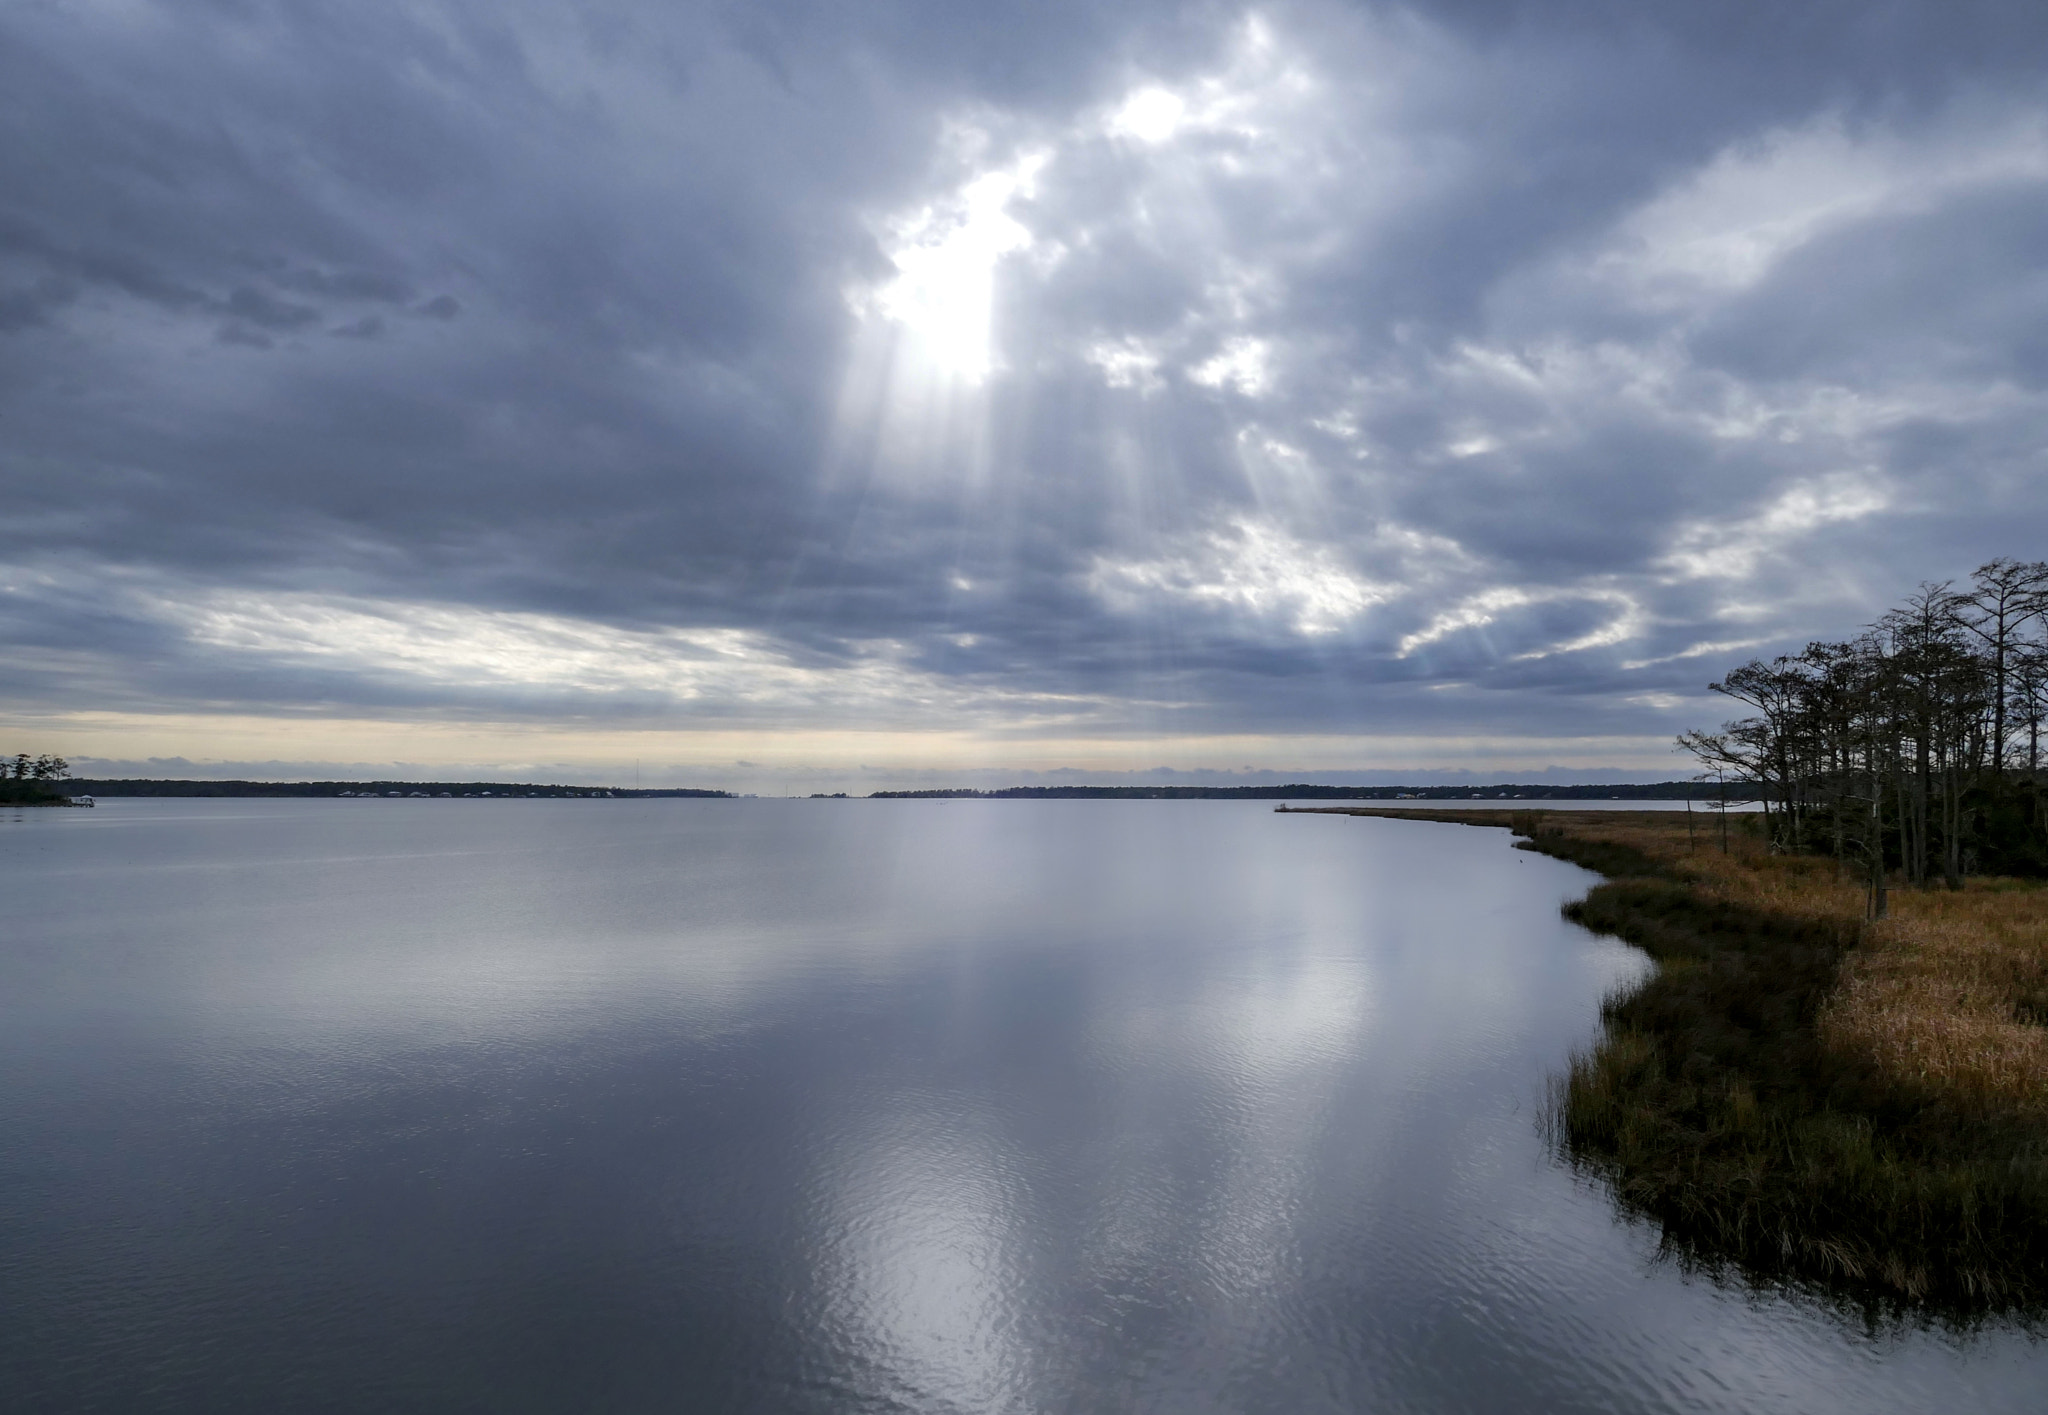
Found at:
<point>946,1106</point>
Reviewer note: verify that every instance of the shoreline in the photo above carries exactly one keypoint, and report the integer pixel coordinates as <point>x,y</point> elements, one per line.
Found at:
<point>1798,1094</point>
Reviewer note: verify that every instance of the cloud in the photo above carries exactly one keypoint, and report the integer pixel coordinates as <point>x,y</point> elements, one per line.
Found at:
<point>1252,570</point>
<point>1147,373</point>
<point>1731,549</point>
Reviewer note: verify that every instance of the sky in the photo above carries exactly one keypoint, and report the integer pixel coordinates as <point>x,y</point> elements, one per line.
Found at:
<point>806,396</point>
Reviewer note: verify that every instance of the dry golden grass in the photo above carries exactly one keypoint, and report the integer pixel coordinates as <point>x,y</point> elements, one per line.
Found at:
<point>1945,994</point>
<point>1948,996</point>
<point>1800,1093</point>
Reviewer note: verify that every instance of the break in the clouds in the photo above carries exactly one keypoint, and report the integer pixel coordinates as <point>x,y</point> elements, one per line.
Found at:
<point>1054,387</point>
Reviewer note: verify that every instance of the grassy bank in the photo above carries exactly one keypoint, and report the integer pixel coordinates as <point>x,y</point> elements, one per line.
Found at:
<point>1798,1093</point>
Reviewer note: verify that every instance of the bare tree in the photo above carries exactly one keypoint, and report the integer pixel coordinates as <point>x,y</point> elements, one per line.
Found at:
<point>2006,595</point>
<point>1904,747</point>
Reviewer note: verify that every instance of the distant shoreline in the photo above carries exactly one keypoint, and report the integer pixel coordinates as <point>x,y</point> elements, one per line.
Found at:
<point>95,786</point>
<point>1301,791</point>
<point>1503,792</point>
<point>37,797</point>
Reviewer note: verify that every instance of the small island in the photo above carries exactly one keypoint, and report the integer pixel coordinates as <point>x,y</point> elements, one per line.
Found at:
<point>27,780</point>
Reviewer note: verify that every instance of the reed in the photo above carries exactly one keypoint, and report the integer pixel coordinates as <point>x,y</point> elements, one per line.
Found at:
<point>1798,1093</point>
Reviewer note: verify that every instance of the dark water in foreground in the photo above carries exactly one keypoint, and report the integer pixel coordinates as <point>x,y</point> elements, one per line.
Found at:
<point>792,1106</point>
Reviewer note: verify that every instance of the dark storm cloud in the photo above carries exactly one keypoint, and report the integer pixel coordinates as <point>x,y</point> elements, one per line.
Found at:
<point>1481,368</point>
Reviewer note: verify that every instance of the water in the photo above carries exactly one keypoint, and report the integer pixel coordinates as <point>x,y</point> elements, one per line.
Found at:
<point>835,1106</point>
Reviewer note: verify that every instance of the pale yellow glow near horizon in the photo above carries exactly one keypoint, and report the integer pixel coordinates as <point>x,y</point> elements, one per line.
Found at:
<point>506,746</point>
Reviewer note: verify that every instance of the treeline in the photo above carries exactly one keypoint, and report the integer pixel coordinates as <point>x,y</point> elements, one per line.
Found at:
<point>1507,791</point>
<point>111,787</point>
<point>1914,747</point>
<point>33,780</point>
<point>23,767</point>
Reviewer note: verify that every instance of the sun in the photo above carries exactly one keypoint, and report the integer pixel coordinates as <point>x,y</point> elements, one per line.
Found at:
<point>942,297</point>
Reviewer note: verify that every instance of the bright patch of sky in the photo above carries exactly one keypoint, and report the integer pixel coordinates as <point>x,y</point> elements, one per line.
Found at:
<point>1732,549</point>
<point>1251,569</point>
<point>945,255</point>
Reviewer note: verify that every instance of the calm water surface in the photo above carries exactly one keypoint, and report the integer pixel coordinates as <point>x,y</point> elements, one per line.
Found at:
<point>834,1106</point>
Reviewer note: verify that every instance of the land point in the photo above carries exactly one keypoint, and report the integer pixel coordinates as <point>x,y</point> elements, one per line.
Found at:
<point>1800,1092</point>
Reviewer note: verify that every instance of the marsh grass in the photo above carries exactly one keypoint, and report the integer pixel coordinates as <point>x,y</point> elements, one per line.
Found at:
<point>1798,1094</point>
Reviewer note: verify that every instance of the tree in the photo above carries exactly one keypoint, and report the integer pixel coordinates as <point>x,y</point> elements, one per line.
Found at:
<point>27,780</point>
<point>2006,596</point>
<point>1763,750</point>
<point>1902,747</point>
